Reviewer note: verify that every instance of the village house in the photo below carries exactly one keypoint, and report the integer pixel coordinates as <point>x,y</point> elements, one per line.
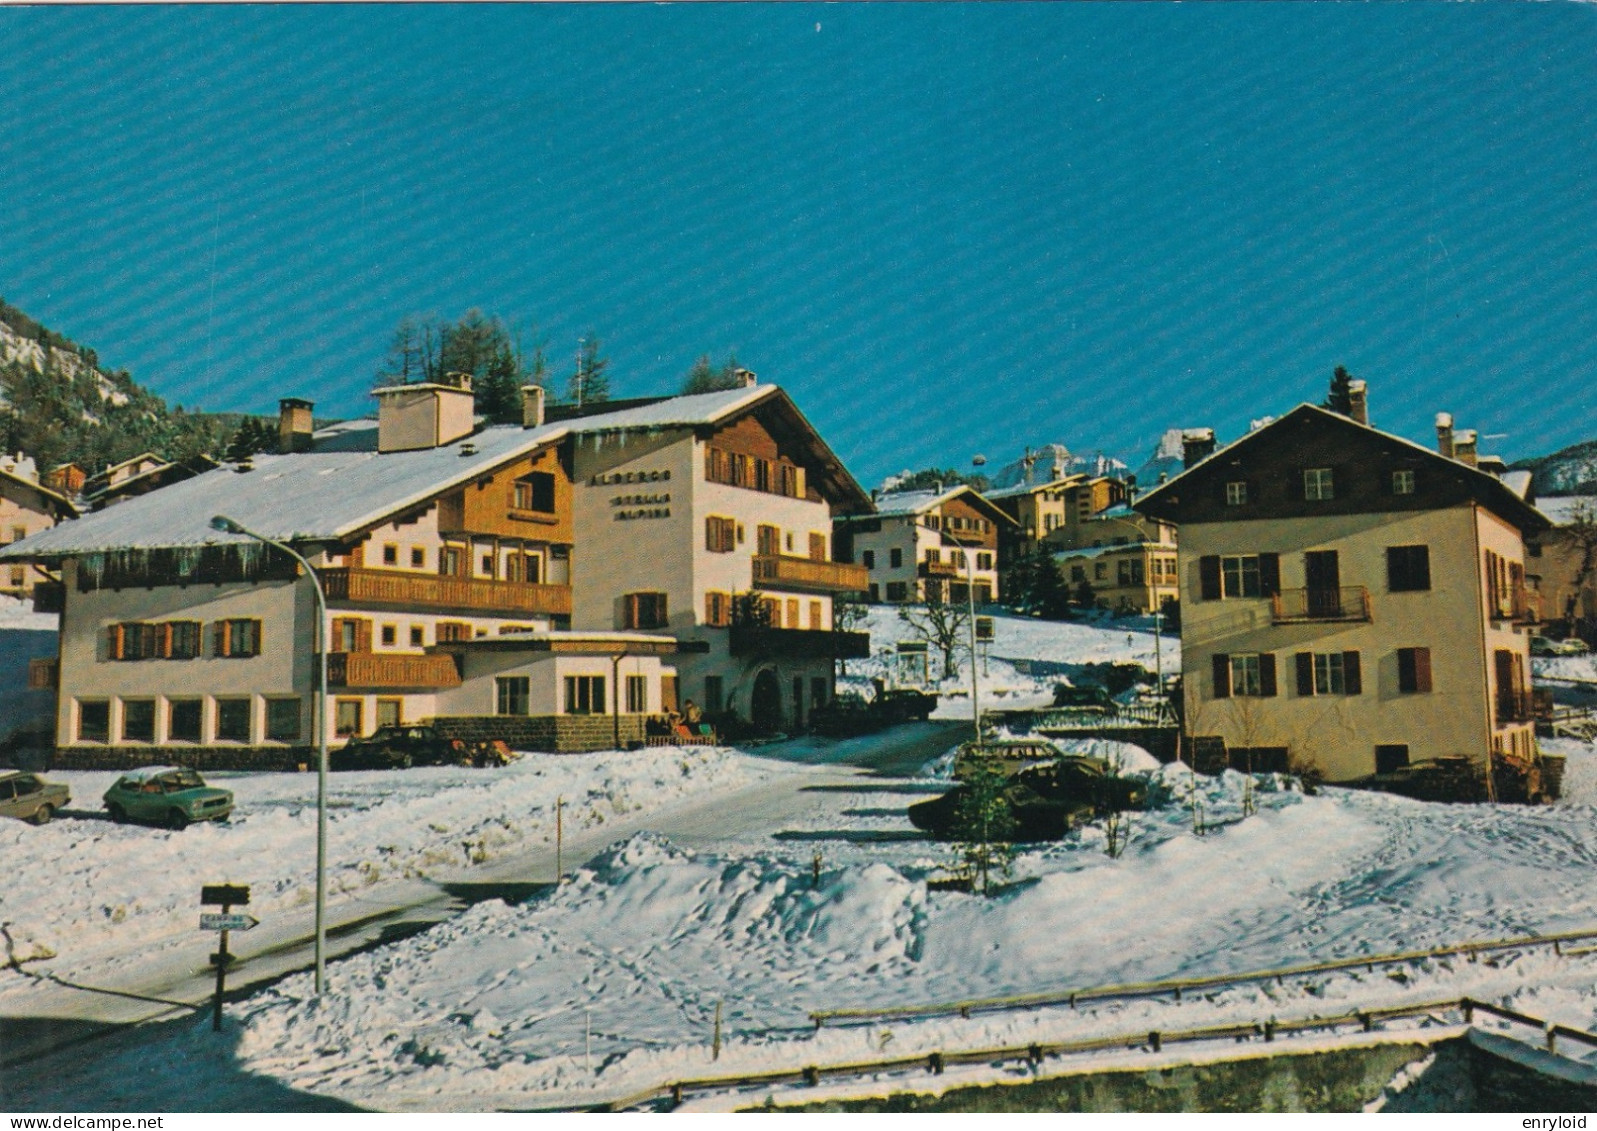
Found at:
<point>133,477</point>
<point>26,507</point>
<point>449,554</point>
<point>927,546</point>
<point>1128,559</point>
<point>1352,603</point>
<point>1563,560</point>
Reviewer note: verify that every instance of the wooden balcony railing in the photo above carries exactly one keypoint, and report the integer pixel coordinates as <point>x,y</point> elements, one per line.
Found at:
<point>44,675</point>
<point>798,643</point>
<point>937,569</point>
<point>1295,606</point>
<point>391,671</point>
<point>1517,604</point>
<point>778,571</point>
<point>453,594</point>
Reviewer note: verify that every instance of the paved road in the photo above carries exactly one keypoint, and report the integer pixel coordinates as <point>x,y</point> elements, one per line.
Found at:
<point>809,781</point>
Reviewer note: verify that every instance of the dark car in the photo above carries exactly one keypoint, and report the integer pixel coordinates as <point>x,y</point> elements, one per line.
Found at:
<point>845,716</point>
<point>168,795</point>
<point>415,744</point>
<point>28,797</point>
<point>901,704</point>
<point>1047,800</point>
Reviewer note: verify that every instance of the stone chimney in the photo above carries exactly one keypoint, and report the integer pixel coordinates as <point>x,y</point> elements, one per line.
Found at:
<point>531,406</point>
<point>1464,447</point>
<point>1196,444</point>
<point>294,425</point>
<point>426,415</point>
<point>1444,434</point>
<point>1358,397</point>
<point>746,378</point>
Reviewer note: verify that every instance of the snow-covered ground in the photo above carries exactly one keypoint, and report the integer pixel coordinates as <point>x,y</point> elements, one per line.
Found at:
<point>82,884</point>
<point>610,984</point>
<point>1051,649</point>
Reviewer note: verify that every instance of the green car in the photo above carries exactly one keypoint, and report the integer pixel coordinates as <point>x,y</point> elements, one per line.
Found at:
<point>167,795</point>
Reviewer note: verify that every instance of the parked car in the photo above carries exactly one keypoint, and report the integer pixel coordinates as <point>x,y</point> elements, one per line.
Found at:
<point>28,797</point>
<point>1544,646</point>
<point>416,744</point>
<point>1007,756</point>
<point>849,714</point>
<point>168,795</point>
<point>1046,800</point>
<point>901,704</point>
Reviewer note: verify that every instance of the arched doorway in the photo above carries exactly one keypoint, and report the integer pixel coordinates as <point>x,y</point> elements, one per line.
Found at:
<point>765,706</point>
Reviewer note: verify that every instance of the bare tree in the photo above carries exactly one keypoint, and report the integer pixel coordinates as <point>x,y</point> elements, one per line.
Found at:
<point>1580,534</point>
<point>943,625</point>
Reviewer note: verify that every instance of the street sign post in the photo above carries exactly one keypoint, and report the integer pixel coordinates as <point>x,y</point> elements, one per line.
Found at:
<point>224,896</point>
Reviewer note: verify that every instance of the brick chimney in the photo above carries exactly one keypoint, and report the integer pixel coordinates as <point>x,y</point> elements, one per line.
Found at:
<point>1358,397</point>
<point>1464,447</point>
<point>531,406</point>
<point>1444,434</point>
<point>426,415</point>
<point>1196,444</point>
<point>294,425</point>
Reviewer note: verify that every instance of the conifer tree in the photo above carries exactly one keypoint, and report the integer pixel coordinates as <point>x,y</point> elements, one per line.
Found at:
<point>1341,396</point>
<point>590,384</point>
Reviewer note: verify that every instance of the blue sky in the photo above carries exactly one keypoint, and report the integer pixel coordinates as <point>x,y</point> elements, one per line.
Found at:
<point>944,229</point>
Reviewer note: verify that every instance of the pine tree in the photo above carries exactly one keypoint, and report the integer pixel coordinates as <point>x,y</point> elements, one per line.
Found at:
<point>1341,397</point>
<point>1052,594</point>
<point>590,384</point>
<point>707,378</point>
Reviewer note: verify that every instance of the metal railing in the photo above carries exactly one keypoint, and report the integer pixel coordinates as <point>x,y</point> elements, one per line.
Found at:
<point>1344,603</point>
<point>436,591</point>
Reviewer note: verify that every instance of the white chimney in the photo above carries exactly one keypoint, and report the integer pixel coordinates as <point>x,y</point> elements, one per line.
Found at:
<point>746,378</point>
<point>1444,433</point>
<point>427,415</point>
<point>531,406</point>
<point>1358,396</point>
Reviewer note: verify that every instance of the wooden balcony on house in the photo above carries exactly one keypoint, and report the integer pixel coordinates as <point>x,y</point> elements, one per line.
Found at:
<point>1305,606</point>
<point>391,671</point>
<point>938,569</point>
<point>44,675</point>
<point>438,593</point>
<point>806,575</point>
<point>1517,604</point>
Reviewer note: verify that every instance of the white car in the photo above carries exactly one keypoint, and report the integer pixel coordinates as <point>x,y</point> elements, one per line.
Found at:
<point>1542,646</point>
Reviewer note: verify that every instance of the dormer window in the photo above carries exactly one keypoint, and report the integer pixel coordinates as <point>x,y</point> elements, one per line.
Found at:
<point>1317,484</point>
<point>1236,493</point>
<point>1403,482</point>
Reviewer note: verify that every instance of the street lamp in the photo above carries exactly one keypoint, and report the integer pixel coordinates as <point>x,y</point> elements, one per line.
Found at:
<point>319,720</point>
<point>970,596</point>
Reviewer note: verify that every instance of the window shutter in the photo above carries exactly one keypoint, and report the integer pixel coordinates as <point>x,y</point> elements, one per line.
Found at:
<point>1305,664</point>
<point>1350,673</point>
<point>1422,669</point>
<point>363,636</point>
<point>1209,577</point>
<point>1222,675</point>
<point>219,638</point>
<point>1269,575</point>
<point>114,641</point>
<point>1267,674</point>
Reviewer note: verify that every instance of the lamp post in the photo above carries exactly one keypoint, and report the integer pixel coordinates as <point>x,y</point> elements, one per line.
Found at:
<point>319,720</point>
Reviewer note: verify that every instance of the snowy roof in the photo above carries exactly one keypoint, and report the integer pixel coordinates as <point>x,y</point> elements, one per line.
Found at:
<point>1518,482</point>
<point>912,502</point>
<point>145,773</point>
<point>1561,508</point>
<point>1099,551</point>
<point>34,485</point>
<point>1031,488</point>
<point>311,496</point>
<point>345,486</point>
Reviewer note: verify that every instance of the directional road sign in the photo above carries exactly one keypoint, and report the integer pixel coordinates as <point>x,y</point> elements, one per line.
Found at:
<point>237,921</point>
<point>225,894</point>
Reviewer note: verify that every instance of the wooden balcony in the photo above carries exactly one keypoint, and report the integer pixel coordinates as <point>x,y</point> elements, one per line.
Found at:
<point>938,569</point>
<point>805,575</point>
<point>1307,606</point>
<point>44,675</point>
<point>1517,604</point>
<point>391,671</point>
<point>437,593</point>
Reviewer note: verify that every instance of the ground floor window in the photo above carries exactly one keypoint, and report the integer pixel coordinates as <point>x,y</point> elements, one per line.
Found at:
<point>637,694</point>
<point>818,692</point>
<point>183,720</point>
<point>138,720</point>
<point>282,720</point>
<point>714,694</point>
<point>233,720</point>
<point>876,593</point>
<point>347,718</point>
<point>897,591</point>
<point>1258,759</point>
<point>984,593</point>
<point>584,694</point>
<point>94,720</point>
<point>1390,757</point>
<point>512,695</point>
<point>389,712</point>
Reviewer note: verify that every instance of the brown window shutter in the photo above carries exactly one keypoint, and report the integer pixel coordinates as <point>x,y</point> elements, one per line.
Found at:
<point>1267,674</point>
<point>1350,673</point>
<point>817,547</point>
<point>1209,577</point>
<point>1305,665</point>
<point>1269,575</point>
<point>1222,675</point>
<point>219,638</point>
<point>1422,669</point>
<point>363,635</point>
<point>115,637</point>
